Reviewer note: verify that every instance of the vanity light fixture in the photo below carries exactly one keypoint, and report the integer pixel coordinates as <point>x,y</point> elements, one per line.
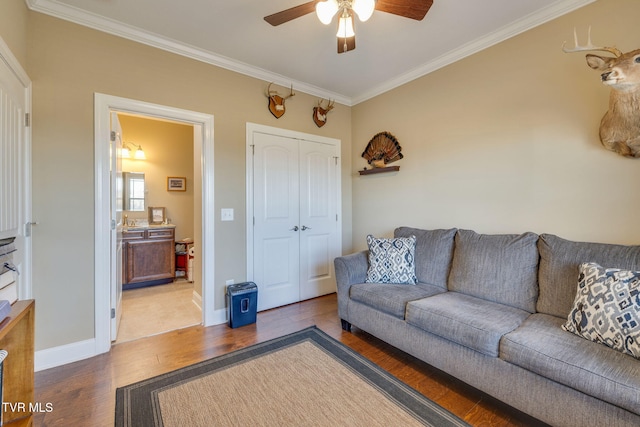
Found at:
<point>126,151</point>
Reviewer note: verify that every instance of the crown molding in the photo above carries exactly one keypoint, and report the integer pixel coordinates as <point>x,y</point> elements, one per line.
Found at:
<point>533,20</point>
<point>14,65</point>
<point>100,23</point>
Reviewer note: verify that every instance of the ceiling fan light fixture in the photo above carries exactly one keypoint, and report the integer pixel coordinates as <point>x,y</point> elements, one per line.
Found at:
<point>345,27</point>
<point>346,9</point>
<point>325,10</point>
<point>364,8</point>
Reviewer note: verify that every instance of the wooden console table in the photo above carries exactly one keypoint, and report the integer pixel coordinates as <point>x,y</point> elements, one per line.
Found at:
<point>16,337</point>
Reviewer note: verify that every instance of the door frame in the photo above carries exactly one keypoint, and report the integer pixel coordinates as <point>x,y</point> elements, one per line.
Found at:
<point>286,133</point>
<point>103,105</point>
<point>24,279</point>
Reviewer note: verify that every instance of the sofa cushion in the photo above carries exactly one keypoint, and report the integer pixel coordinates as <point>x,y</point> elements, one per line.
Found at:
<point>434,252</point>
<point>392,260</point>
<point>390,298</point>
<point>541,346</point>
<point>558,274</point>
<point>607,308</point>
<point>502,268</point>
<point>472,322</point>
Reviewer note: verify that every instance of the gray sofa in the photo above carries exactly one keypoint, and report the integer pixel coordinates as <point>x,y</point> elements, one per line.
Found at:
<point>488,310</point>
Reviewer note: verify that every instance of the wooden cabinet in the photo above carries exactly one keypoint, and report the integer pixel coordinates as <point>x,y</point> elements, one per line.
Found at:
<point>149,257</point>
<point>16,337</point>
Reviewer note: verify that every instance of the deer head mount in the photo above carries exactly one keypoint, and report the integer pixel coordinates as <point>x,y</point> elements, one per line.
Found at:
<point>320,113</point>
<point>620,126</point>
<point>276,102</point>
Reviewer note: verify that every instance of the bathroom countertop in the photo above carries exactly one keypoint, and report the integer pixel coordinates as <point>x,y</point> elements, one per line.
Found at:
<point>150,226</point>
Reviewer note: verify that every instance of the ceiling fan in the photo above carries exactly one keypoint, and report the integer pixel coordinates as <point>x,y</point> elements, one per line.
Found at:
<point>346,9</point>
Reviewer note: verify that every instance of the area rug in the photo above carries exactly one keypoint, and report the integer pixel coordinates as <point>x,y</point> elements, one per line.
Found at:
<point>303,379</point>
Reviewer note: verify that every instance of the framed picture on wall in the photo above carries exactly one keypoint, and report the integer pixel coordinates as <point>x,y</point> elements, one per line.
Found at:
<point>157,215</point>
<point>176,183</point>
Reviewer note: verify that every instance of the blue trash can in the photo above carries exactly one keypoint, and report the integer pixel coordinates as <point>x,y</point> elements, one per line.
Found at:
<point>242,300</point>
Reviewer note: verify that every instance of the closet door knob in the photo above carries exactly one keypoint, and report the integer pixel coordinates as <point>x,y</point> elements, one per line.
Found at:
<point>304,227</point>
<point>295,228</point>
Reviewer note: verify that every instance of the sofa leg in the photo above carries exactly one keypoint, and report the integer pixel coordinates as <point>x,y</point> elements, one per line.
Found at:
<point>346,325</point>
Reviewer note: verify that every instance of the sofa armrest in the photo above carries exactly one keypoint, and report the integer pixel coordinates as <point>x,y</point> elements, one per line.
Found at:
<point>350,269</point>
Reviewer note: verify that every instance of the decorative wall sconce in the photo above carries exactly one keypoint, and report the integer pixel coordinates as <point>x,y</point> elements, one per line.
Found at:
<point>127,147</point>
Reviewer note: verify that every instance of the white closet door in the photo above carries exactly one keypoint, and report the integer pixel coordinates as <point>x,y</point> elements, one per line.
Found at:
<point>318,218</point>
<point>276,215</point>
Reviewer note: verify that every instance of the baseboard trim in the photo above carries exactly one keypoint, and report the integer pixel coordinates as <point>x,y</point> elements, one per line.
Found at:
<point>221,316</point>
<point>61,355</point>
<point>69,353</point>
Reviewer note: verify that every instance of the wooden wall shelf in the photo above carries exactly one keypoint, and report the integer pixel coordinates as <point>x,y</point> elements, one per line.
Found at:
<point>379,170</point>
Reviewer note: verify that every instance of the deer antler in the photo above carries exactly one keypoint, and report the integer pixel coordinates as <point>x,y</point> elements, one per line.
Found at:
<point>291,93</point>
<point>329,104</point>
<point>589,46</point>
<point>271,93</point>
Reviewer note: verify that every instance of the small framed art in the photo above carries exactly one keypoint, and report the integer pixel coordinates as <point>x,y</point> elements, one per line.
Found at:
<point>176,183</point>
<point>157,215</point>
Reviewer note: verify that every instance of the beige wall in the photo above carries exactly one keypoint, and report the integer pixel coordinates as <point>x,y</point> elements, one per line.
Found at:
<point>13,28</point>
<point>505,141</point>
<point>68,64</point>
<point>169,150</point>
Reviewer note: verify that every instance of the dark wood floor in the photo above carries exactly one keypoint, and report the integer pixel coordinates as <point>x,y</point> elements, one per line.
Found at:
<point>83,393</point>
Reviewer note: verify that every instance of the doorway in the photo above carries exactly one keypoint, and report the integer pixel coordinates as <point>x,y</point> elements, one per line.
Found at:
<point>156,149</point>
<point>203,227</point>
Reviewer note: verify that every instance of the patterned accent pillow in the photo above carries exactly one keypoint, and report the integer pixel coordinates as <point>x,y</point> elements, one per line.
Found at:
<point>392,260</point>
<point>607,308</point>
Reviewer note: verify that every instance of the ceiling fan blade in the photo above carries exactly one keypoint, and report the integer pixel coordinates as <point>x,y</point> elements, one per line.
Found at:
<point>414,9</point>
<point>350,43</point>
<point>292,13</point>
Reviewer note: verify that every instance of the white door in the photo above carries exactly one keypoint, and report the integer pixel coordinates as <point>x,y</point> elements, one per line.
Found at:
<point>15,161</point>
<point>117,200</point>
<point>276,216</point>
<point>319,243</point>
<point>295,214</point>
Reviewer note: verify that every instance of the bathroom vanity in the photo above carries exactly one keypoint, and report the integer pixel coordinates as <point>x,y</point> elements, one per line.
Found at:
<point>148,256</point>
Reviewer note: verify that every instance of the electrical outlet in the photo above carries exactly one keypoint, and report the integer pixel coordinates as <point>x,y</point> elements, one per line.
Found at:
<point>230,282</point>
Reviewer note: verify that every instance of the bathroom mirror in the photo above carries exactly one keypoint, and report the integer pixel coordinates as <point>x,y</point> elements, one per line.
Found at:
<point>134,189</point>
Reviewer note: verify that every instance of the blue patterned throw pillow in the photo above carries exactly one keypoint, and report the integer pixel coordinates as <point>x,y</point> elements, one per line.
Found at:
<point>392,260</point>
<point>607,308</point>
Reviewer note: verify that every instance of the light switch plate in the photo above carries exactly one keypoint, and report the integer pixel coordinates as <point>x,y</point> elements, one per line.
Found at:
<point>226,214</point>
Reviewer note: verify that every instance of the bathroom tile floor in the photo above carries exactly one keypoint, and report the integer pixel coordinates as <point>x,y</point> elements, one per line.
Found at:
<point>157,309</point>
